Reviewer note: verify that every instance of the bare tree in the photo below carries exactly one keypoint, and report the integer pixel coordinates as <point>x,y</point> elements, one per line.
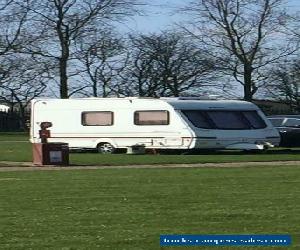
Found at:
<point>61,23</point>
<point>167,65</point>
<point>245,36</point>
<point>26,80</point>
<point>12,22</point>
<point>139,77</point>
<point>103,58</point>
<point>286,85</point>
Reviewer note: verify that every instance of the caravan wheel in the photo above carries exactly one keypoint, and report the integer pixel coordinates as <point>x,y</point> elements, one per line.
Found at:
<point>105,148</point>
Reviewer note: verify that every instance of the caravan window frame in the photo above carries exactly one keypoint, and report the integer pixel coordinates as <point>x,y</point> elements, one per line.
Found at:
<point>136,121</point>
<point>83,123</point>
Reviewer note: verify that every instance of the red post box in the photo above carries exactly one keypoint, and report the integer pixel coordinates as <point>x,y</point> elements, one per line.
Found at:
<point>45,153</point>
<point>51,154</point>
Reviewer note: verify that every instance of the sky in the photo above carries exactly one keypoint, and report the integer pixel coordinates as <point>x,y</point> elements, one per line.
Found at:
<point>159,15</point>
<point>162,14</point>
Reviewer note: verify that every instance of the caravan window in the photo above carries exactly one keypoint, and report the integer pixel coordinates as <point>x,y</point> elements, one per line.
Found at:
<point>225,119</point>
<point>228,120</point>
<point>151,117</point>
<point>254,119</point>
<point>198,118</point>
<point>97,118</point>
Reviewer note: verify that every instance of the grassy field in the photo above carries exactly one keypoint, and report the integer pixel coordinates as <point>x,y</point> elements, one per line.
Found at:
<point>130,208</point>
<point>15,147</point>
<point>14,136</point>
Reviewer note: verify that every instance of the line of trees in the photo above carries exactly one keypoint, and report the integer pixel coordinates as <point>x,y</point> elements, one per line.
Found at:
<point>68,48</point>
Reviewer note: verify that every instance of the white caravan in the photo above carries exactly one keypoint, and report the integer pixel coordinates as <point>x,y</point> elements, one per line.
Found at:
<point>107,124</point>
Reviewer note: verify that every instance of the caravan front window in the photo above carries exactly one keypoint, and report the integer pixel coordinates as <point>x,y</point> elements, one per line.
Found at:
<point>228,120</point>
<point>255,120</point>
<point>97,118</point>
<point>225,119</point>
<point>198,118</point>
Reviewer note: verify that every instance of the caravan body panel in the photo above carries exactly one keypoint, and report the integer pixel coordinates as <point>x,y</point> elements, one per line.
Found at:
<point>67,119</point>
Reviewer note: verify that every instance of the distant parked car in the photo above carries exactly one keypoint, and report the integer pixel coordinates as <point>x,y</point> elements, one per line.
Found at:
<point>289,129</point>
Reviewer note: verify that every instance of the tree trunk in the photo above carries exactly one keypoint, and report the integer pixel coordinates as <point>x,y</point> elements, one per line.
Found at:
<point>22,118</point>
<point>247,83</point>
<point>176,91</point>
<point>104,89</point>
<point>63,34</point>
<point>95,89</point>
<point>63,78</point>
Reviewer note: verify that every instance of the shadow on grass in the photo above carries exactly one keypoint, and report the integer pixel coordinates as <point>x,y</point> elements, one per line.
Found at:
<point>276,151</point>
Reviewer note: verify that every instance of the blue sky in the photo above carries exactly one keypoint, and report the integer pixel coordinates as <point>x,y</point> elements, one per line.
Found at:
<point>159,14</point>
<point>162,14</point>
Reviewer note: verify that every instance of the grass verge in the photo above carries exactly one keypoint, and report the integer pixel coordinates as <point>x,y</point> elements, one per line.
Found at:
<point>14,136</point>
<point>130,208</point>
<point>22,152</point>
<point>14,147</point>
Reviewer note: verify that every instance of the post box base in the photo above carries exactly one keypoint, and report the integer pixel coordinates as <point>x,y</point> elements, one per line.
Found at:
<point>50,154</point>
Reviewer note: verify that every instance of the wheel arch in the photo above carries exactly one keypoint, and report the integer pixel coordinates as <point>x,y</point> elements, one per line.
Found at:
<point>105,140</point>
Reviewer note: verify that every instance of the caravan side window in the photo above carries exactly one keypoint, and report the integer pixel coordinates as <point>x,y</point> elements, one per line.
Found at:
<point>152,117</point>
<point>97,118</point>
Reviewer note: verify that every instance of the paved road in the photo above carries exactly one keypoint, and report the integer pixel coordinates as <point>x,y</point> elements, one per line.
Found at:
<point>28,166</point>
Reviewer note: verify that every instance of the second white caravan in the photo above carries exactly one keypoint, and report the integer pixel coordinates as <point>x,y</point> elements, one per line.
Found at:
<point>107,124</point>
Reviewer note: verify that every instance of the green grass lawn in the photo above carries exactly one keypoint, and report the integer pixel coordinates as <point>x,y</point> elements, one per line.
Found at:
<point>14,136</point>
<point>129,208</point>
<point>111,160</point>
<point>21,151</point>
<point>16,147</point>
